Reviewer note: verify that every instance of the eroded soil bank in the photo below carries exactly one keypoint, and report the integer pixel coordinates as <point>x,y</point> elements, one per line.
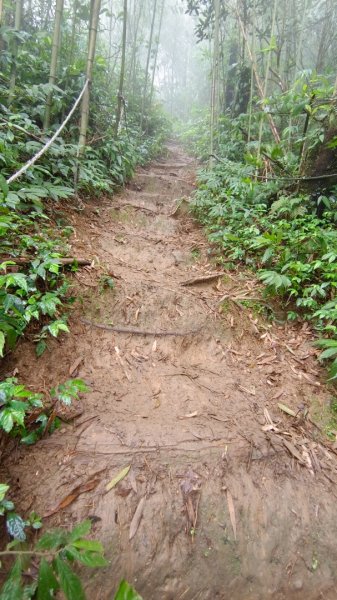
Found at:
<point>236,499</point>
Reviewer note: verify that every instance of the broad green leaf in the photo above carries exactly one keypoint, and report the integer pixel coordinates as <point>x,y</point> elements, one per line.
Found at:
<point>7,505</point>
<point>91,545</point>
<point>326,343</point>
<point>40,348</point>
<point>328,353</point>
<point>12,589</point>
<point>117,478</point>
<point>2,343</point>
<point>47,582</point>
<point>69,582</point>
<point>52,540</point>
<point>18,416</point>
<point>16,527</point>
<point>29,439</point>
<point>6,420</point>
<point>89,559</point>
<point>81,530</point>
<point>4,186</point>
<point>56,327</point>
<point>3,490</point>
<point>333,370</point>
<point>126,592</point>
<point>29,591</point>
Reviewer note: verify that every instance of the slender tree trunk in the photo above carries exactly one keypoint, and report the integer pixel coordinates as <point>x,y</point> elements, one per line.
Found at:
<point>17,27</point>
<point>122,72</point>
<point>112,60</point>
<point>157,49</point>
<point>148,63</point>
<point>94,19</point>
<point>136,22</point>
<point>215,80</point>
<point>73,32</point>
<point>1,23</point>
<point>300,41</point>
<point>266,77</point>
<point>54,58</point>
<point>259,82</point>
<point>252,75</point>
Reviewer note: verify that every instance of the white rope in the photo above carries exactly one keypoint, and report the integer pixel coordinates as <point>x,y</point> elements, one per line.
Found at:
<point>33,160</point>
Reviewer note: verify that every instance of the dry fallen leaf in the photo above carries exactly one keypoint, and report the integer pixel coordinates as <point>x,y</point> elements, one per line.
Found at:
<point>190,415</point>
<point>74,494</point>
<point>252,392</point>
<point>268,360</point>
<point>75,365</point>
<point>156,389</point>
<point>121,362</point>
<point>231,511</point>
<point>267,416</point>
<point>287,410</point>
<point>137,518</point>
<point>118,478</point>
<point>293,451</point>
<point>133,481</point>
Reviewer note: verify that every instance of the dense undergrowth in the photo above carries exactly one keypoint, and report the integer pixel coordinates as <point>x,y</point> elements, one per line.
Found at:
<point>260,212</point>
<point>32,283</point>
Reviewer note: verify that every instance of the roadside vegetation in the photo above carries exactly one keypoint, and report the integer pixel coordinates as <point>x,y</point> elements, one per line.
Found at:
<point>268,193</point>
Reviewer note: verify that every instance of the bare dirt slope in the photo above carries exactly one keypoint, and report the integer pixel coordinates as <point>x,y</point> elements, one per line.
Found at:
<point>236,499</point>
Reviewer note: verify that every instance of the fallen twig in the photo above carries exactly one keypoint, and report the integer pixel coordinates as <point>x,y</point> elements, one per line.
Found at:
<point>203,279</point>
<point>138,206</point>
<point>131,331</point>
<point>137,518</point>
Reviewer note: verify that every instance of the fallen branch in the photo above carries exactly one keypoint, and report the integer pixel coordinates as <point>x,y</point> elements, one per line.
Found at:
<point>203,279</point>
<point>171,166</point>
<point>131,331</point>
<point>138,206</point>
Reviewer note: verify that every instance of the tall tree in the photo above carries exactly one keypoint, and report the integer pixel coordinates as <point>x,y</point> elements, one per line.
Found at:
<point>94,20</point>
<point>157,49</point>
<point>120,98</point>
<point>215,78</point>
<point>17,27</point>
<point>54,58</point>
<point>146,75</point>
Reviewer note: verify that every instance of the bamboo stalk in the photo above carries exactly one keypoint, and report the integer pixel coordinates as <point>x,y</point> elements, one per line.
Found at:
<point>215,80</point>
<point>148,63</point>
<point>258,80</point>
<point>265,87</point>
<point>54,58</point>
<point>95,10</point>
<point>122,71</point>
<point>17,27</point>
<point>157,48</point>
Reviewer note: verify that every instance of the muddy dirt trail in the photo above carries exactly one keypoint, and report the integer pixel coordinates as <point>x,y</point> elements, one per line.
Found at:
<point>235,498</point>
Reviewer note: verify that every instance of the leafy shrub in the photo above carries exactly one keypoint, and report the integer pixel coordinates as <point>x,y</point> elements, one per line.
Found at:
<point>23,413</point>
<point>56,552</point>
<point>278,229</point>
